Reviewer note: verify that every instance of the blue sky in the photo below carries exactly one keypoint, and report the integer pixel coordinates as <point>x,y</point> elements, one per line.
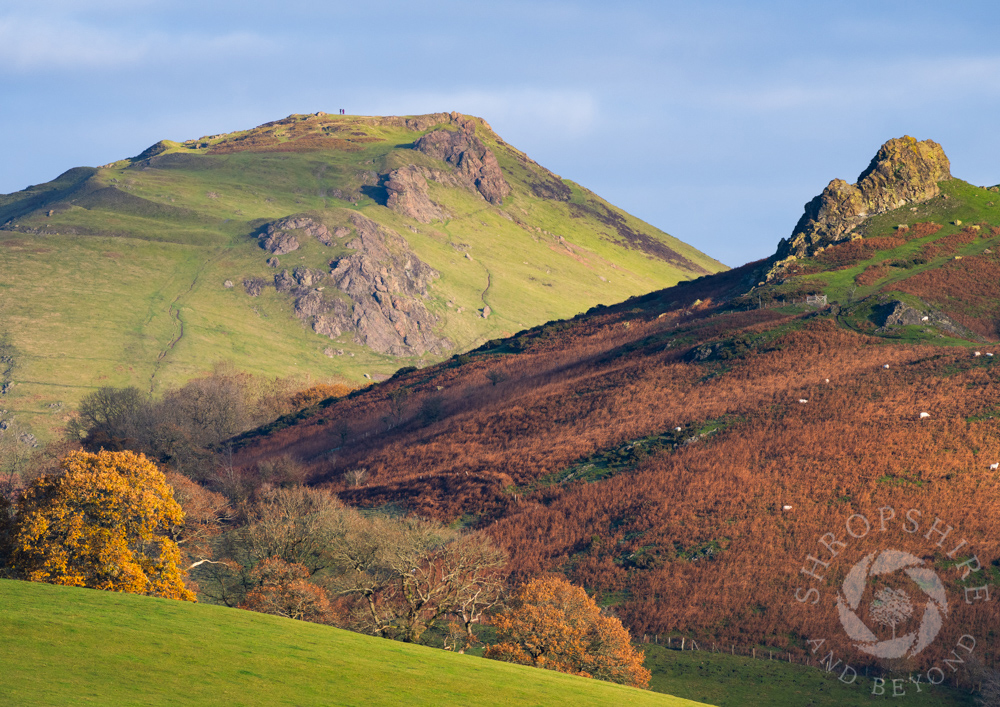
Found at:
<point>715,121</point>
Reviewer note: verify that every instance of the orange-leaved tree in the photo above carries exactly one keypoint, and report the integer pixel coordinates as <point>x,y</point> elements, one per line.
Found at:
<point>283,589</point>
<point>104,523</point>
<point>549,623</point>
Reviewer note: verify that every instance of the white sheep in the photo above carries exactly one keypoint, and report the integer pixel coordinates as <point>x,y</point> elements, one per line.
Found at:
<point>994,466</point>
<point>803,400</point>
<point>677,429</point>
<point>924,319</point>
<point>989,354</point>
<point>786,508</point>
<point>978,354</point>
<point>827,380</point>
<point>885,366</point>
<point>924,414</point>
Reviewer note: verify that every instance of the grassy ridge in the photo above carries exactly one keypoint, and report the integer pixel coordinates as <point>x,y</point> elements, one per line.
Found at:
<point>103,266</point>
<point>64,646</point>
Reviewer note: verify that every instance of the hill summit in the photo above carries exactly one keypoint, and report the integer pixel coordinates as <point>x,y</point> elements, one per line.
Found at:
<point>327,245</point>
<point>904,171</point>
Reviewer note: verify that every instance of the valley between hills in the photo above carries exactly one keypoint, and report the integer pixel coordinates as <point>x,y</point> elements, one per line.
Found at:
<point>711,453</point>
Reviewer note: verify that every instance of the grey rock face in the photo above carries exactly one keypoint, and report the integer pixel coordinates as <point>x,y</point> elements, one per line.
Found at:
<point>280,237</point>
<point>407,190</point>
<point>904,171</point>
<point>475,162</point>
<point>387,284</point>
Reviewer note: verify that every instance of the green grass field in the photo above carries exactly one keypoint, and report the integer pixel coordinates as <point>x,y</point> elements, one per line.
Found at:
<point>740,681</point>
<point>114,275</point>
<point>68,646</point>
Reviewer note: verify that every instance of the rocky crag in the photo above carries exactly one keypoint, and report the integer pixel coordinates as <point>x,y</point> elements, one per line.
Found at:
<point>280,238</point>
<point>904,171</point>
<point>379,289</point>
<point>475,163</point>
<point>475,168</point>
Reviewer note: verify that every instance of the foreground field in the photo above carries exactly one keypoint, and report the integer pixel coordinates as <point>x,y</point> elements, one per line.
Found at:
<point>65,646</point>
<point>740,681</point>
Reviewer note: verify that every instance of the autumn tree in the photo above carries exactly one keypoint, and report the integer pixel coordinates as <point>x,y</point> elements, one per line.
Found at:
<point>103,523</point>
<point>297,525</point>
<point>207,514</point>
<point>549,623</point>
<point>403,577</point>
<point>283,589</point>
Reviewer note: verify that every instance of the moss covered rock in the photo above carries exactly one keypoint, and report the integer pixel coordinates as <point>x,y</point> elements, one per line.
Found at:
<point>905,171</point>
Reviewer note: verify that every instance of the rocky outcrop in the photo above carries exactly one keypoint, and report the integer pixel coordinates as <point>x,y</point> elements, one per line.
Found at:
<point>278,242</point>
<point>379,288</point>
<point>407,195</point>
<point>896,313</point>
<point>387,284</point>
<point>905,171</point>
<point>280,237</point>
<point>475,162</point>
<point>298,278</point>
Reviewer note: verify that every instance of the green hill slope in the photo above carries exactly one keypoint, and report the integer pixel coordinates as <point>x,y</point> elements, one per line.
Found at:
<point>149,270</point>
<point>64,646</point>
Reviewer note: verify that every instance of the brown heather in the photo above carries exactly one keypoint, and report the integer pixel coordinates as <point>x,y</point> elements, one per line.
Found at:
<point>694,538</point>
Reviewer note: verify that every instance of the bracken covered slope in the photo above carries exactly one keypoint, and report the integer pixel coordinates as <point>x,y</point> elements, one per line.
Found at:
<point>682,453</point>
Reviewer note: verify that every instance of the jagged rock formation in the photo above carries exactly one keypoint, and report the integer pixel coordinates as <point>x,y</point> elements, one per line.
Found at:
<point>279,237</point>
<point>381,285</point>
<point>407,190</point>
<point>300,277</point>
<point>905,171</point>
<point>387,283</point>
<point>476,163</point>
<point>384,283</point>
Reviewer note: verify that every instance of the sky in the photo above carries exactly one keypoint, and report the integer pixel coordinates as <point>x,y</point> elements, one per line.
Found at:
<point>714,121</point>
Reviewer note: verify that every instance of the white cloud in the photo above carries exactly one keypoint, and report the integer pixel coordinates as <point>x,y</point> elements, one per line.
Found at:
<point>32,44</point>
<point>869,85</point>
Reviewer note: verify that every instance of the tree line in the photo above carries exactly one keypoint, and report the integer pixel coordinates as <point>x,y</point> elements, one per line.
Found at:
<point>149,501</point>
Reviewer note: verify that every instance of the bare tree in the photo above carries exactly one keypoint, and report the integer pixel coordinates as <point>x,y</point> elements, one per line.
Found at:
<point>356,477</point>
<point>496,376</point>
<point>397,400</point>
<point>14,457</point>
<point>989,682</point>
<point>297,525</point>
<point>412,573</point>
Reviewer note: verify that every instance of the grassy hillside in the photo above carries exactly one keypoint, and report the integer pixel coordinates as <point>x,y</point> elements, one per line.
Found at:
<point>115,275</point>
<point>65,646</point>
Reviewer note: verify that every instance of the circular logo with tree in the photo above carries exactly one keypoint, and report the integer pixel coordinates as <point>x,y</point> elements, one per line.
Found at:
<point>904,601</point>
